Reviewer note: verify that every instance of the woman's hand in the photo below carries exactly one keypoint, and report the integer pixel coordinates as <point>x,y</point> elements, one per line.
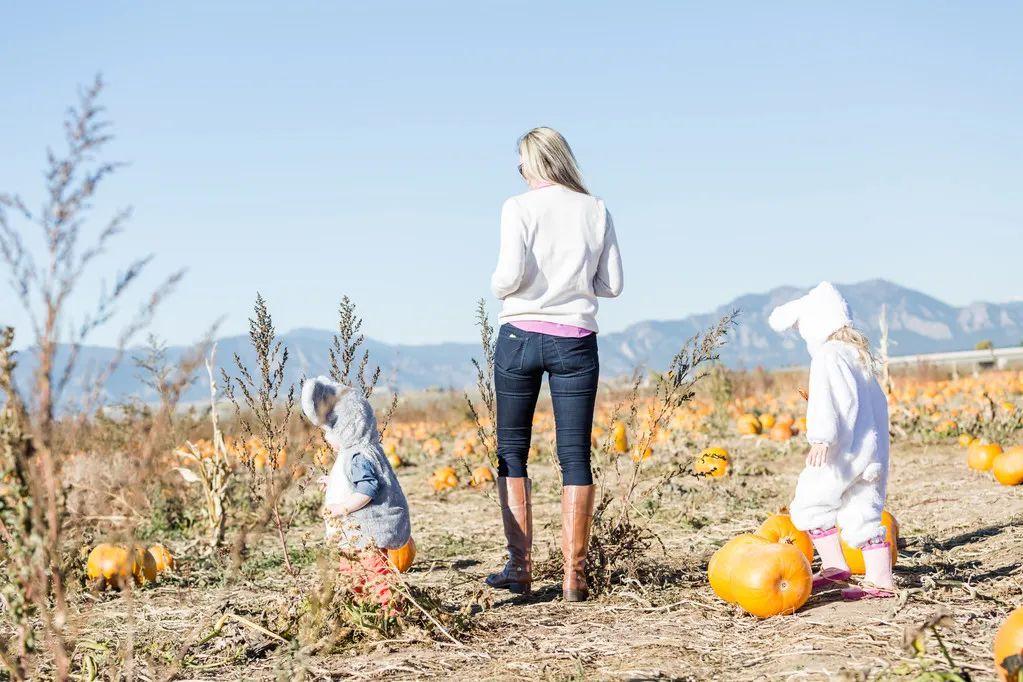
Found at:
<point>818,455</point>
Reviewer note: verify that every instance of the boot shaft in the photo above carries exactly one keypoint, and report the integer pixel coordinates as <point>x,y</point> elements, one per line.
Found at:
<point>576,522</point>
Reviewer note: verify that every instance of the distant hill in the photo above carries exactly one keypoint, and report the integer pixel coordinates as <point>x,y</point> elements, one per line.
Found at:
<point>918,324</point>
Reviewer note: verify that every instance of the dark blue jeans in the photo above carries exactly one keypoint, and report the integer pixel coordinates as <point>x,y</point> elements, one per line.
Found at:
<point>520,360</point>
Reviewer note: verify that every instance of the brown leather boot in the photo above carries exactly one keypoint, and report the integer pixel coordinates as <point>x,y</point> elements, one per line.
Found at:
<point>576,517</point>
<point>517,516</point>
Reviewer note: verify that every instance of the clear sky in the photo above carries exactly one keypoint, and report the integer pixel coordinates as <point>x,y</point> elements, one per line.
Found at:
<point>310,149</point>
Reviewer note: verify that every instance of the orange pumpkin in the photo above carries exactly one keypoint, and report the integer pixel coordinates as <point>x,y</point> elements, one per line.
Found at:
<point>647,454</point>
<point>444,478</point>
<point>712,462</point>
<point>719,570</point>
<point>965,440</point>
<point>854,555</point>
<point>402,558</point>
<point>1008,647</point>
<point>164,559</point>
<point>779,528</point>
<point>749,425</point>
<point>109,565</point>
<point>771,579</point>
<point>144,567</point>
<point>621,439</point>
<point>1008,466</point>
<point>981,456</point>
<point>481,476</point>
<point>781,432</point>
<point>767,422</point>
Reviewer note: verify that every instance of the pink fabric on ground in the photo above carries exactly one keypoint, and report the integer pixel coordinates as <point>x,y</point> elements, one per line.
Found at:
<point>551,328</point>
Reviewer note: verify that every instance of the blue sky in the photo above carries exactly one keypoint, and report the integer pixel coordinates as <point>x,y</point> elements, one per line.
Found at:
<point>311,149</point>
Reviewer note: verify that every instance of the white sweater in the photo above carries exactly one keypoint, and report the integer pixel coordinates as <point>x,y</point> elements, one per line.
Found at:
<point>558,254</point>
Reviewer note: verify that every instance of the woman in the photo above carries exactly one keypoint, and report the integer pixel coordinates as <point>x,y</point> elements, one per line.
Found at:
<point>558,254</point>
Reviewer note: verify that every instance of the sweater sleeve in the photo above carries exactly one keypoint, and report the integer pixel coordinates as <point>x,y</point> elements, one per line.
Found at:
<point>833,403</point>
<point>608,280</point>
<point>511,260</point>
<point>364,478</point>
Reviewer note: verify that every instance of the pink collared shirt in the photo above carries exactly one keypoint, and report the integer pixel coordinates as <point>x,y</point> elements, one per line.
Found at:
<point>551,328</point>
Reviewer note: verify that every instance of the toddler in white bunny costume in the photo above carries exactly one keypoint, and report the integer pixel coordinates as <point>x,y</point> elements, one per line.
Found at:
<point>846,476</point>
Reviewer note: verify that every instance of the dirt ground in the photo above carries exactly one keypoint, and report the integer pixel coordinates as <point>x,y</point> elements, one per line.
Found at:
<point>960,550</point>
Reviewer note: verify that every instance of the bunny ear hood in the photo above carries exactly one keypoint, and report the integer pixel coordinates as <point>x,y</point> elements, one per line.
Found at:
<point>319,396</point>
<point>819,314</point>
<point>343,411</point>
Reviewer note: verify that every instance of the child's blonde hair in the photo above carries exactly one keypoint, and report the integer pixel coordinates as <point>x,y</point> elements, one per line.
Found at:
<point>547,156</point>
<point>858,340</point>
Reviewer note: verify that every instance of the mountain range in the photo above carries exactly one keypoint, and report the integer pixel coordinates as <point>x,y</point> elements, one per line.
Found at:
<point>918,323</point>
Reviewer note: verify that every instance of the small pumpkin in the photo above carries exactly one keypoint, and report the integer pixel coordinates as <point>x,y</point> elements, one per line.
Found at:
<point>981,456</point>
<point>767,422</point>
<point>144,566</point>
<point>481,476</point>
<point>403,557</point>
<point>749,425</point>
<point>781,432</point>
<point>1008,647</point>
<point>621,439</point>
<point>771,579</point>
<point>444,478</point>
<point>719,569</point>
<point>779,528</point>
<point>163,558</point>
<point>109,566</point>
<point>712,462</point>
<point>854,555</point>
<point>1008,466</point>
<point>647,454</point>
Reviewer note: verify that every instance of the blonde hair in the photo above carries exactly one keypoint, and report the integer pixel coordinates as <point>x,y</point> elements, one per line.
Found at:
<point>547,156</point>
<point>858,340</point>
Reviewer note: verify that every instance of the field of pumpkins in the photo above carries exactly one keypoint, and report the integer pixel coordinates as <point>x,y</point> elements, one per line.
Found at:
<point>716,569</point>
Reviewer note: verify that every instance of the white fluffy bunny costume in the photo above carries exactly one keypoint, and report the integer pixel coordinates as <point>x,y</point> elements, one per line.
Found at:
<point>847,410</point>
<point>350,427</point>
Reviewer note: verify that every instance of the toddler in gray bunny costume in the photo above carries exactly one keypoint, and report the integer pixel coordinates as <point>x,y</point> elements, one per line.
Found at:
<point>364,504</point>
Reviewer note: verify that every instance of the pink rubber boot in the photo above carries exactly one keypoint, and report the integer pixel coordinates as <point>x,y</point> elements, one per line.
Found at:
<point>878,582</point>
<point>834,569</point>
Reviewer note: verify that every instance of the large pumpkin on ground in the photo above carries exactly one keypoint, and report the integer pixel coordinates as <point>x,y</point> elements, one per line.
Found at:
<point>1009,644</point>
<point>402,558</point>
<point>770,579</point>
<point>109,565</point>
<point>854,555</point>
<point>981,456</point>
<point>712,462</point>
<point>1008,466</point>
<point>779,528</point>
<point>719,570</point>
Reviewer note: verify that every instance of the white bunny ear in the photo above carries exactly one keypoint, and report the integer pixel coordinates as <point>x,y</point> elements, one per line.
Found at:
<point>785,316</point>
